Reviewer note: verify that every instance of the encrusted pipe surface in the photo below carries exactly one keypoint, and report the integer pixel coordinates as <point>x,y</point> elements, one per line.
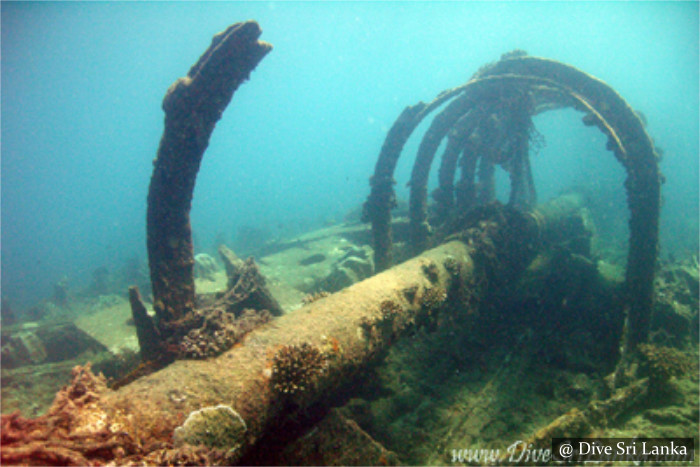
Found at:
<point>348,328</point>
<point>306,356</point>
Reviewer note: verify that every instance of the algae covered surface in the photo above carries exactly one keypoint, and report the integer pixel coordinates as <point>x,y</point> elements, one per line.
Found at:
<point>478,388</point>
<point>478,382</point>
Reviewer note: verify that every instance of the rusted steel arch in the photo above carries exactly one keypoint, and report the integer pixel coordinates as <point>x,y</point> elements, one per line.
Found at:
<point>193,105</point>
<point>476,95</point>
<point>447,196</point>
<point>457,140</point>
<point>377,208</point>
<point>635,150</point>
<point>558,85</point>
<point>545,98</point>
<point>633,147</point>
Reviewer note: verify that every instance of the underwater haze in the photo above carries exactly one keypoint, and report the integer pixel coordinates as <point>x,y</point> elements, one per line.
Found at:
<point>82,86</point>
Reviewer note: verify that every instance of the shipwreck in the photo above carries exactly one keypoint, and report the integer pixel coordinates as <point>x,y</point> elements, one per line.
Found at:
<point>224,378</point>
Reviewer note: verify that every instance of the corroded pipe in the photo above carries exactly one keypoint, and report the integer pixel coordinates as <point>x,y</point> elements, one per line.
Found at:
<point>348,329</point>
<point>305,357</point>
<point>215,410</point>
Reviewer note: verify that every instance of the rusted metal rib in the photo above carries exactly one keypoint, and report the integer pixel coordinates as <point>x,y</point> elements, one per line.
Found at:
<point>192,106</point>
<point>553,85</point>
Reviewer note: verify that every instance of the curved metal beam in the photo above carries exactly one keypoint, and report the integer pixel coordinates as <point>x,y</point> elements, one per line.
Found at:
<point>377,208</point>
<point>643,184</point>
<point>192,106</point>
<point>559,85</point>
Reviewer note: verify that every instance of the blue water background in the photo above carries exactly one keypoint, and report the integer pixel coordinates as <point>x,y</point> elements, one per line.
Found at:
<point>82,85</point>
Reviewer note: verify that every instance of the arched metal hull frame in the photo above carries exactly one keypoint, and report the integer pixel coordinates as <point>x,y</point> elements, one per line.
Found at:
<point>551,84</point>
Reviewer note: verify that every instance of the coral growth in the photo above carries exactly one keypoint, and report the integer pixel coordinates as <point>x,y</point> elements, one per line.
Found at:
<point>663,363</point>
<point>386,326</point>
<point>331,347</point>
<point>77,430</point>
<point>389,309</point>
<point>188,455</point>
<point>433,298</point>
<point>675,318</point>
<point>220,331</point>
<point>295,368</point>
<point>410,294</point>
<point>74,431</point>
<point>431,271</point>
<point>452,266</point>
